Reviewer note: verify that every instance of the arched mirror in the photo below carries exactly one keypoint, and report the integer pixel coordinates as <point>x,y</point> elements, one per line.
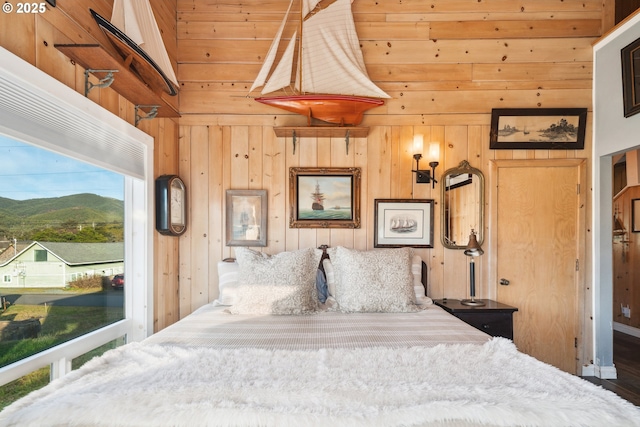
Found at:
<point>462,191</point>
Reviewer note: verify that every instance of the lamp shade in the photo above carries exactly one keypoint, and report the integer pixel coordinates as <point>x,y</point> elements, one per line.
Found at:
<point>418,144</point>
<point>473,247</point>
<point>434,152</point>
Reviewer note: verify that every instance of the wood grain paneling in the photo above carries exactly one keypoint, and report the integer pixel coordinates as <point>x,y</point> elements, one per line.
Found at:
<point>515,29</point>
<point>446,64</point>
<point>626,258</point>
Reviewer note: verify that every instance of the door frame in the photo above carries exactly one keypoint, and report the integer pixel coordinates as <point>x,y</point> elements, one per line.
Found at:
<point>583,323</point>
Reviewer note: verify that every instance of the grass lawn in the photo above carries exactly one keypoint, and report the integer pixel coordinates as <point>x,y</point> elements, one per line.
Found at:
<point>59,324</point>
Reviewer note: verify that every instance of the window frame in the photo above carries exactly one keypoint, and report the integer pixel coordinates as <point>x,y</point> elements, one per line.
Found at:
<point>40,110</point>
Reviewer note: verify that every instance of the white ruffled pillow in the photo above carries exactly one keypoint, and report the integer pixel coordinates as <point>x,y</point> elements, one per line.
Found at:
<point>416,270</point>
<point>372,281</point>
<point>284,283</point>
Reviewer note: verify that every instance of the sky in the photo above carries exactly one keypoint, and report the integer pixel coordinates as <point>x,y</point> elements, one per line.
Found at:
<point>30,172</point>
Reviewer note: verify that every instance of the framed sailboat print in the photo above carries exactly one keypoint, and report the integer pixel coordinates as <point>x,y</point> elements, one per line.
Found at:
<point>324,197</point>
<point>403,222</point>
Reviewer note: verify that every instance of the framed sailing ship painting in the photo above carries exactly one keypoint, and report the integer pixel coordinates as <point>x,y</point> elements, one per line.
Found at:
<point>403,222</point>
<point>324,197</point>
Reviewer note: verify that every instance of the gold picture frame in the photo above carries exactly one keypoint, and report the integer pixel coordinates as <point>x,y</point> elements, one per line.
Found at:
<point>324,197</point>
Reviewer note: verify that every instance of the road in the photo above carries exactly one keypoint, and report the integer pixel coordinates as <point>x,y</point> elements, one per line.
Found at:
<point>103,299</point>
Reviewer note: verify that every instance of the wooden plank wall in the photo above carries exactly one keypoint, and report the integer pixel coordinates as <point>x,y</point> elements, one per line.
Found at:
<point>445,63</point>
<point>626,258</point>
<point>32,37</point>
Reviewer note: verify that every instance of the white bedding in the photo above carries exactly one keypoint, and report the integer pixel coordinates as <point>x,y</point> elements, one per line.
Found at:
<point>212,327</point>
<point>216,369</point>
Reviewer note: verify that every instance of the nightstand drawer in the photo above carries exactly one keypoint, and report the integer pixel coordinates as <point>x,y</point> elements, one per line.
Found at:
<point>494,324</point>
<point>493,318</point>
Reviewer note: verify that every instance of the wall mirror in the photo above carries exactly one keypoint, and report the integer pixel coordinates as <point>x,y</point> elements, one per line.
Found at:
<point>462,198</point>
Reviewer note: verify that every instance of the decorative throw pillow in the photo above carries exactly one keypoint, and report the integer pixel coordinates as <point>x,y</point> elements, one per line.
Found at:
<point>373,281</point>
<point>284,283</point>
<point>416,270</point>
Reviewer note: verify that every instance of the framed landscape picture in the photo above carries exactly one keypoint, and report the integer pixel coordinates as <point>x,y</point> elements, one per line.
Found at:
<point>246,213</point>
<point>538,128</point>
<point>403,222</point>
<point>324,197</point>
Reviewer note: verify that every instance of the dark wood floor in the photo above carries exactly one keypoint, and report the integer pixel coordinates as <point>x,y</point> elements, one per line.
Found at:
<point>626,358</point>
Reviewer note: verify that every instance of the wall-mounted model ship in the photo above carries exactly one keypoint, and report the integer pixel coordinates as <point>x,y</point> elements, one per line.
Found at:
<point>134,33</point>
<point>330,79</point>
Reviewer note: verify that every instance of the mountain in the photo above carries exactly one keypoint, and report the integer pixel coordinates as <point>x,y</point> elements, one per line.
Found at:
<point>81,208</point>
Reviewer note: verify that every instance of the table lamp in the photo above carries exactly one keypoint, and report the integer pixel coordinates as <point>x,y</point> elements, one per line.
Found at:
<point>472,250</point>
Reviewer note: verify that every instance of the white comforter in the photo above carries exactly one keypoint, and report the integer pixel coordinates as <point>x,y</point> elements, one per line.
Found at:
<point>171,384</point>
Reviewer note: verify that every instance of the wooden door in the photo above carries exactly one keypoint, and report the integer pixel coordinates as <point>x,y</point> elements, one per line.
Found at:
<point>538,253</point>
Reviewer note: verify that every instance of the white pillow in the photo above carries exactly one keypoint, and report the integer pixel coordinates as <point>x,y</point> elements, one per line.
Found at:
<point>373,281</point>
<point>416,270</point>
<point>284,283</point>
<point>227,283</point>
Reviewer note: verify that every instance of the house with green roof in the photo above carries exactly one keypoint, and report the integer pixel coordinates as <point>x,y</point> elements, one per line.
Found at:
<point>55,264</point>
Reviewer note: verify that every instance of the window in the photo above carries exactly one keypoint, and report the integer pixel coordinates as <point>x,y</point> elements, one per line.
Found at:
<point>6,278</point>
<point>39,255</point>
<point>41,112</point>
<point>93,236</point>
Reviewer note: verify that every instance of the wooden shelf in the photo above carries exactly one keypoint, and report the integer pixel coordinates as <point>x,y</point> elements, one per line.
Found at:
<point>126,82</point>
<point>345,132</point>
<point>321,131</point>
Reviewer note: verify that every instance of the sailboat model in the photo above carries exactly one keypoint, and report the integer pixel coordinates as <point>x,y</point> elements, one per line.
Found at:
<point>134,32</point>
<point>331,81</point>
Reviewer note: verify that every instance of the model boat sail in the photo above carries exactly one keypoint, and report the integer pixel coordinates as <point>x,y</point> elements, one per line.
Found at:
<point>134,32</point>
<point>331,81</point>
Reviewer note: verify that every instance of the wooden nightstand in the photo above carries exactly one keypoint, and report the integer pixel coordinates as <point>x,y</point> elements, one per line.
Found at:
<point>494,318</point>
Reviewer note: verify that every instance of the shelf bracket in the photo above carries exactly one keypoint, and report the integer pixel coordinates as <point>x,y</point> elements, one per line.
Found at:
<point>346,140</point>
<point>103,82</point>
<point>151,114</point>
<point>294,141</point>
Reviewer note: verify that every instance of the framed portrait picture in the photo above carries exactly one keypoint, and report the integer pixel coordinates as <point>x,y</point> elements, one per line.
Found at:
<point>246,222</point>
<point>324,197</point>
<point>538,128</point>
<point>403,222</point>
<point>631,78</point>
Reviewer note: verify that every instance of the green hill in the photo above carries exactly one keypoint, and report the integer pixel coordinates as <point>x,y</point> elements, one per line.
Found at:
<point>80,208</point>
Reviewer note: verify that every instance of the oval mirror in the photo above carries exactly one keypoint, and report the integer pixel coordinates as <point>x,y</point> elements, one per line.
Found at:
<point>462,198</point>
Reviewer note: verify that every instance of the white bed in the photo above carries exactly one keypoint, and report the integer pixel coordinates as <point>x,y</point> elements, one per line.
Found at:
<point>422,367</point>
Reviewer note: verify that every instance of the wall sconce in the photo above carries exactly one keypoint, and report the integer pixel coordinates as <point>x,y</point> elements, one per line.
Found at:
<point>472,250</point>
<point>425,176</point>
